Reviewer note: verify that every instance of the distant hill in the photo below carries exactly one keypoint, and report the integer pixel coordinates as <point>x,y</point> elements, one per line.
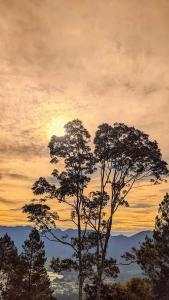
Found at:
<point>117,244</point>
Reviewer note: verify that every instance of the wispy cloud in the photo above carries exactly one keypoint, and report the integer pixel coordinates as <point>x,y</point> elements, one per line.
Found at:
<point>6,201</point>
<point>16,176</point>
<point>26,151</point>
<point>143,205</point>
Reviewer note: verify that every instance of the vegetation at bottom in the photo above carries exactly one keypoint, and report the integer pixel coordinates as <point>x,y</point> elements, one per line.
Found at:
<point>24,276</point>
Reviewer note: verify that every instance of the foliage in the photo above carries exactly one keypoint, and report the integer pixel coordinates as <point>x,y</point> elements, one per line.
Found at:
<point>125,157</point>
<point>24,276</point>
<point>135,289</point>
<point>74,153</point>
<point>10,269</point>
<point>138,289</point>
<point>153,254</point>
<point>108,292</point>
<point>35,281</point>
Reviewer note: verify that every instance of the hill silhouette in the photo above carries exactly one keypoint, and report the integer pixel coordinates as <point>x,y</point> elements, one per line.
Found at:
<point>117,246</point>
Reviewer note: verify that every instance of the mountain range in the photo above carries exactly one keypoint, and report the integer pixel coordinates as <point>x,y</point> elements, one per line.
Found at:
<point>117,244</point>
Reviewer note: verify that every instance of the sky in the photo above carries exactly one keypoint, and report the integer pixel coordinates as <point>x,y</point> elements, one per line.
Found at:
<point>99,61</point>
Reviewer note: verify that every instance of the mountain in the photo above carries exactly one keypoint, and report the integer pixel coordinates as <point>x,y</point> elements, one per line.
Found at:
<point>66,288</point>
<point>117,244</point>
<point>121,243</point>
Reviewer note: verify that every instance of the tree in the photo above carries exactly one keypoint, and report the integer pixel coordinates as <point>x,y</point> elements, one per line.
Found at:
<point>138,289</point>
<point>125,157</point>
<point>134,289</point>
<point>35,283</point>
<point>108,292</point>
<point>10,270</point>
<point>74,153</point>
<point>153,254</point>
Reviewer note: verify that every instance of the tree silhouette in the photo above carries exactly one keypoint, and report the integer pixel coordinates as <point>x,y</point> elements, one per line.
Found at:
<point>10,270</point>
<point>153,254</point>
<point>138,289</point>
<point>134,289</point>
<point>125,157</point>
<point>74,152</point>
<point>35,282</point>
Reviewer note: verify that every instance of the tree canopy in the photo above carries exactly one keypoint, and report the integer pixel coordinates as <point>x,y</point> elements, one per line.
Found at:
<point>35,281</point>
<point>24,276</point>
<point>153,254</point>
<point>10,270</point>
<point>124,157</point>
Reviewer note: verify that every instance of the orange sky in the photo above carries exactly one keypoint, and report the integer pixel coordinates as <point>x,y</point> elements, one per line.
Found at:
<point>100,61</point>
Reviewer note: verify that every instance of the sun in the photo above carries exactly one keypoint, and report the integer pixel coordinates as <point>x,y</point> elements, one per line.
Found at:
<point>56,126</point>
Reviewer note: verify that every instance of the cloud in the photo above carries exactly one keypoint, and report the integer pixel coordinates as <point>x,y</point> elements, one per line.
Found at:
<point>26,151</point>
<point>142,205</point>
<point>6,201</point>
<point>19,176</point>
<point>165,190</point>
<point>16,209</point>
<point>16,176</point>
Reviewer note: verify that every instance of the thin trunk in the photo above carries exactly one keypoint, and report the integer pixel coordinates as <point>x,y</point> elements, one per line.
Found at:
<point>29,275</point>
<point>99,271</point>
<point>99,283</point>
<point>101,267</point>
<point>80,267</point>
<point>99,280</point>
<point>80,287</point>
<point>80,257</point>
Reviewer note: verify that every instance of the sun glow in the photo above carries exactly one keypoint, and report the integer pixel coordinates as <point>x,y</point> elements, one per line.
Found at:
<point>56,127</point>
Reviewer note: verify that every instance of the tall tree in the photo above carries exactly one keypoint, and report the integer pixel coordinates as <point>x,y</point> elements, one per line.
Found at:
<point>153,254</point>
<point>35,283</point>
<point>10,270</point>
<point>125,157</point>
<point>73,151</point>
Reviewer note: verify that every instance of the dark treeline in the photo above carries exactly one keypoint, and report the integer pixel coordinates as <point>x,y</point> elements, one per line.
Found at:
<point>24,276</point>
<point>153,254</point>
<point>123,158</point>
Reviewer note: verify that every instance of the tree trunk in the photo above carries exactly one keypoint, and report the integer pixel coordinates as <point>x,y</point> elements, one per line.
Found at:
<point>99,270</point>
<point>98,286</point>
<point>101,267</point>
<point>80,256</point>
<point>80,288</point>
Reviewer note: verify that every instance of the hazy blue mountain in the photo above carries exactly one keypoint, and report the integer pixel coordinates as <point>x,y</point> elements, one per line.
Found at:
<point>117,245</point>
<point>66,287</point>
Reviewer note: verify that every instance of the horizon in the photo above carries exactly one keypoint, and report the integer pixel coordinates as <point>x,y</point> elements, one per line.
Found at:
<point>113,233</point>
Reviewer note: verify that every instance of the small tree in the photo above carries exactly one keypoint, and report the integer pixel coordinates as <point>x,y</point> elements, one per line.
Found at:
<point>35,282</point>
<point>74,153</point>
<point>134,289</point>
<point>125,157</point>
<point>153,254</point>
<point>138,289</point>
<point>10,270</point>
<point>108,292</point>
